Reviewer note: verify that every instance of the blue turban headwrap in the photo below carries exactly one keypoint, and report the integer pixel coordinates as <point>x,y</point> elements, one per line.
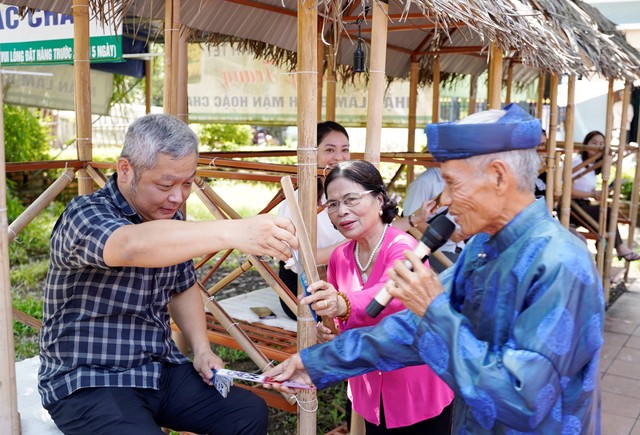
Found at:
<point>515,130</point>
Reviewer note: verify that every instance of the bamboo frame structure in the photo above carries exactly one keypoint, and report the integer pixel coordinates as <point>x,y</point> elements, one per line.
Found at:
<point>413,106</point>
<point>435,99</point>
<point>633,208</point>
<point>473,93</point>
<point>82,82</point>
<point>8,395</point>
<point>377,79</point>
<point>542,79</point>
<point>495,77</point>
<point>307,92</point>
<point>40,203</point>
<point>565,205</point>
<point>615,204</point>
<point>551,145</point>
<point>605,173</point>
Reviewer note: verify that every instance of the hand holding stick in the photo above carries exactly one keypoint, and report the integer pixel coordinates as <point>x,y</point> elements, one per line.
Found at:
<point>306,250</point>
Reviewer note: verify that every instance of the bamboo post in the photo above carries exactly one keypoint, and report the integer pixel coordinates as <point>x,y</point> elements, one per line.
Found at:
<point>307,164</point>
<point>377,81</point>
<point>633,209</point>
<point>330,106</point>
<point>147,86</point>
<point>615,204</point>
<point>96,176</point>
<point>182,106</point>
<point>8,394</point>
<point>82,92</point>
<point>320,75</point>
<point>306,249</point>
<point>495,77</point>
<point>551,141</point>
<point>507,99</point>
<point>171,56</point>
<point>565,205</point>
<point>435,101</point>
<point>542,78</point>
<point>473,93</point>
<point>413,105</point>
<point>40,204</point>
<point>601,259</point>
<point>239,336</point>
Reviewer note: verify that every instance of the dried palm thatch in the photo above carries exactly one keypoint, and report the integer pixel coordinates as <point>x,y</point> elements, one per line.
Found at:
<point>603,48</point>
<point>552,35</point>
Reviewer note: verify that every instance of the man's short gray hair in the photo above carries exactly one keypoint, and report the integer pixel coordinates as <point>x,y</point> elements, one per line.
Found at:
<point>524,164</point>
<point>156,134</point>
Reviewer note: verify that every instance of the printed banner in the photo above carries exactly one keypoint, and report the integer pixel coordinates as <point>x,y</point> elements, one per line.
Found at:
<point>44,37</point>
<point>227,86</point>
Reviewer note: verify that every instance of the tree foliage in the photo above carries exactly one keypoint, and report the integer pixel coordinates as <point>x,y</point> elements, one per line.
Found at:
<point>225,137</point>
<point>25,138</point>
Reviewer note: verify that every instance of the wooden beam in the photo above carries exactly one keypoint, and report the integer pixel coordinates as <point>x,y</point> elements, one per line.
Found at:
<point>377,82</point>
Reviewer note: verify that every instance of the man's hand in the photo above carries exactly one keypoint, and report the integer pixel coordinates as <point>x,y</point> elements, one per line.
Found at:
<point>204,362</point>
<point>416,289</point>
<point>290,370</point>
<point>267,234</point>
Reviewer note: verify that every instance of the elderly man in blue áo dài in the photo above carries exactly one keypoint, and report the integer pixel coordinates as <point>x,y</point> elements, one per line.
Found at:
<point>515,326</point>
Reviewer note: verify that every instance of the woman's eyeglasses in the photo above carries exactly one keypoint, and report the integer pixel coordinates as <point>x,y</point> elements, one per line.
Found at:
<point>349,200</point>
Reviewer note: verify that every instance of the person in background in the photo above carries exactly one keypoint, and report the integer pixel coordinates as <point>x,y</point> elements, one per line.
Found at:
<point>584,190</point>
<point>426,187</point>
<point>515,328</point>
<point>412,398</point>
<point>120,263</point>
<point>333,148</point>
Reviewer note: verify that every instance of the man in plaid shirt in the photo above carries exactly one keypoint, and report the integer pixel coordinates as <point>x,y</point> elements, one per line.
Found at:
<point>121,263</point>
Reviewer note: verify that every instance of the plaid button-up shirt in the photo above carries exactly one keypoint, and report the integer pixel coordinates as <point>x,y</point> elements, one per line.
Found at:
<point>104,326</point>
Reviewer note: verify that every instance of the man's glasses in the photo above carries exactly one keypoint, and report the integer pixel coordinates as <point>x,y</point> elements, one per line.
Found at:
<point>349,200</point>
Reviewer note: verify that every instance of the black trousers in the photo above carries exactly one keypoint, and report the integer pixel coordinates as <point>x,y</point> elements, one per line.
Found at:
<point>438,425</point>
<point>183,403</point>
<point>593,210</point>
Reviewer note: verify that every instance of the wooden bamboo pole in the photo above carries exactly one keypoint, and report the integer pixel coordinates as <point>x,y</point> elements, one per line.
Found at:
<point>330,106</point>
<point>147,86</point>
<point>182,106</point>
<point>565,204</point>
<point>435,100</point>
<point>617,184</point>
<point>551,143</point>
<point>307,164</point>
<point>97,176</point>
<point>171,8</point>
<point>542,79</point>
<point>306,248</point>
<point>320,75</point>
<point>413,105</point>
<point>377,81</point>
<point>495,77</point>
<point>82,90</point>
<point>605,173</point>
<point>8,394</point>
<point>40,204</point>
<point>507,99</point>
<point>633,208</point>
<point>234,330</point>
<point>473,93</point>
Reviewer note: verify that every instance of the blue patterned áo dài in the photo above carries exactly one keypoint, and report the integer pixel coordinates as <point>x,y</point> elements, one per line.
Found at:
<point>517,334</point>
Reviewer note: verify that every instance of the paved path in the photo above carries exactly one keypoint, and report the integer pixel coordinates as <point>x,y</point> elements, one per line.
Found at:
<point>620,364</point>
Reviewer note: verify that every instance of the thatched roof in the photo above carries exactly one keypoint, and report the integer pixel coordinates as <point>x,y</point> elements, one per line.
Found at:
<point>553,35</point>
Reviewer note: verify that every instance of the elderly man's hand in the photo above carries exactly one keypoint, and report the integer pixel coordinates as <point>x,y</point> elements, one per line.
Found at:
<point>416,289</point>
<point>290,370</point>
<point>267,234</point>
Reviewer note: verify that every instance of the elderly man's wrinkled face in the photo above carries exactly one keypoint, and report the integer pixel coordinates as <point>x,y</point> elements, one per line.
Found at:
<point>469,194</point>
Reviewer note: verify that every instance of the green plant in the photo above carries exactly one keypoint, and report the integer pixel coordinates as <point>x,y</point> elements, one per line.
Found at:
<point>626,189</point>
<point>25,138</point>
<point>223,137</point>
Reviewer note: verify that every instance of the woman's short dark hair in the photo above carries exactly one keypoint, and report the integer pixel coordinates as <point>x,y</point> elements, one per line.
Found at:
<point>368,176</point>
<point>324,128</point>
<point>585,154</point>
